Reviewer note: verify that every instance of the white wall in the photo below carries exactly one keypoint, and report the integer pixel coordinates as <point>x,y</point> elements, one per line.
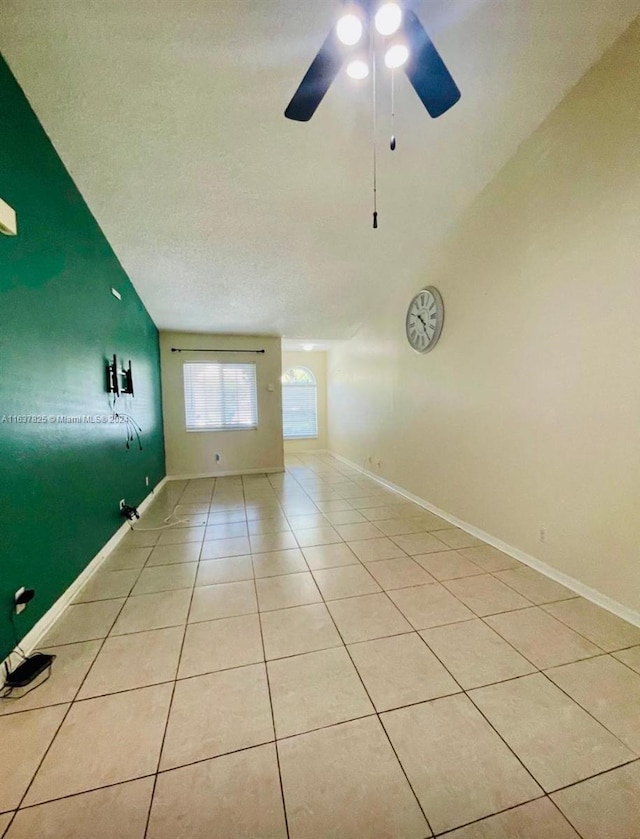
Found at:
<point>527,414</point>
<point>317,363</point>
<point>193,453</point>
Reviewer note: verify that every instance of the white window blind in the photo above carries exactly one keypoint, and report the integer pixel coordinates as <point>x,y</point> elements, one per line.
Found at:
<point>220,397</point>
<point>299,404</point>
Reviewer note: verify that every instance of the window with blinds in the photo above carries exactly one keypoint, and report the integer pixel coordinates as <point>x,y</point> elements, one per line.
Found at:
<point>299,404</point>
<point>220,397</point>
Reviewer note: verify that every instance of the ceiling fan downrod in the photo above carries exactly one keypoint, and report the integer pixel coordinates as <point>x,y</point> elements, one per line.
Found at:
<point>407,46</point>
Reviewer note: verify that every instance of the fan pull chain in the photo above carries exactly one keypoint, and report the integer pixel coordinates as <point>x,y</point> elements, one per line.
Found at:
<point>392,144</point>
<point>375,132</point>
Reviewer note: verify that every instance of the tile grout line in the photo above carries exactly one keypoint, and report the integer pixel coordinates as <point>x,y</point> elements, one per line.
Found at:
<point>471,699</point>
<point>168,716</point>
<point>523,676</point>
<point>77,794</point>
<point>577,632</point>
<point>586,710</point>
<point>541,606</point>
<point>500,813</point>
<point>302,734</point>
<point>398,634</point>
<point>273,723</point>
<point>268,681</point>
<point>68,711</point>
<point>377,714</point>
<point>543,671</point>
<point>464,692</point>
<point>538,671</point>
<point>482,570</point>
<point>562,815</point>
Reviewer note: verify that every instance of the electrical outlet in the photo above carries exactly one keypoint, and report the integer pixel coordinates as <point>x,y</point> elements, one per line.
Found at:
<point>121,503</point>
<point>369,459</point>
<point>542,534</point>
<point>218,457</point>
<point>20,607</point>
<point>379,463</point>
<point>146,480</point>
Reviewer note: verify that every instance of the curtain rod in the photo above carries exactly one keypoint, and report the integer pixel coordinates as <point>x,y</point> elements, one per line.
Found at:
<point>191,349</point>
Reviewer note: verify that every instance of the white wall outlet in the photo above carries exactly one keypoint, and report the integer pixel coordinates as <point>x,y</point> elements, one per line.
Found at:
<point>218,457</point>
<point>369,459</point>
<point>20,607</point>
<point>379,463</point>
<point>121,503</point>
<point>146,480</point>
<point>542,534</point>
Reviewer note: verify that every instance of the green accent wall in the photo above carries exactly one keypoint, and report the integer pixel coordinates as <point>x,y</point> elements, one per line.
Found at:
<point>60,483</point>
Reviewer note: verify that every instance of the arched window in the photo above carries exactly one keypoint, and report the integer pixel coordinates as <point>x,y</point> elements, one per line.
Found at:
<point>299,404</point>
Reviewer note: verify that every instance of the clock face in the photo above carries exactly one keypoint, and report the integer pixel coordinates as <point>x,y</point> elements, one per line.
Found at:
<point>425,317</point>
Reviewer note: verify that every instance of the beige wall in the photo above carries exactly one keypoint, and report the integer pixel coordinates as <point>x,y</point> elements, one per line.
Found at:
<point>193,453</point>
<point>527,414</point>
<point>317,363</point>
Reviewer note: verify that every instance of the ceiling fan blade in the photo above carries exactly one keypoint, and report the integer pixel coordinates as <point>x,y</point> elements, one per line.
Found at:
<point>427,71</point>
<point>317,81</point>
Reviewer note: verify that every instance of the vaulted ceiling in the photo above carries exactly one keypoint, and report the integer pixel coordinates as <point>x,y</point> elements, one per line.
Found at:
<point>229,218</point>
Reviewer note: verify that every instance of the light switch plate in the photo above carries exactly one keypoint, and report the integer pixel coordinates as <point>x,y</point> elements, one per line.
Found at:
<point>20,607</point>
<point>8,221</point>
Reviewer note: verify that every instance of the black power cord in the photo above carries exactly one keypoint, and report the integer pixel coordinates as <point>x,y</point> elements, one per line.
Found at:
<point>132,428</point>
<point>30,667</point>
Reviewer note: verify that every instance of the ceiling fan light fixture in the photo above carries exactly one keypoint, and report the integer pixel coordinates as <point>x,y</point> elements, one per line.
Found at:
<point>388,19</point>
<point>396,56</point>
<point>358,69</point>
<point>349,29</point>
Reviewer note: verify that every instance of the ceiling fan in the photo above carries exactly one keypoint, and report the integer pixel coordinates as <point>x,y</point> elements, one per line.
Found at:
<point>407,46</point>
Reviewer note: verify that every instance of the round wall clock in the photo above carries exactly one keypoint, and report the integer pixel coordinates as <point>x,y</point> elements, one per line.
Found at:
<point>425,318</point>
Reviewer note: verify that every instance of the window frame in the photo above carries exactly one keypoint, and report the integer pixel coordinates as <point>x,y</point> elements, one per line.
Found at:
<point>313,384</point>
<point>226,427</point>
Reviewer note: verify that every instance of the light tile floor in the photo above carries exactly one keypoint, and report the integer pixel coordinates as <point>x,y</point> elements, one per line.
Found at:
<point>308,655</point>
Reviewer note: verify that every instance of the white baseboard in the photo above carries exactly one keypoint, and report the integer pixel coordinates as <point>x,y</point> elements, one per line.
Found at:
<point>579,587</point>
<point>232,473</point>
<point>31,640</point>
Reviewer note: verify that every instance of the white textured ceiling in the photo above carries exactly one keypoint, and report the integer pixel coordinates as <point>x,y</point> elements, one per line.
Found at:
<point>229,218</point>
